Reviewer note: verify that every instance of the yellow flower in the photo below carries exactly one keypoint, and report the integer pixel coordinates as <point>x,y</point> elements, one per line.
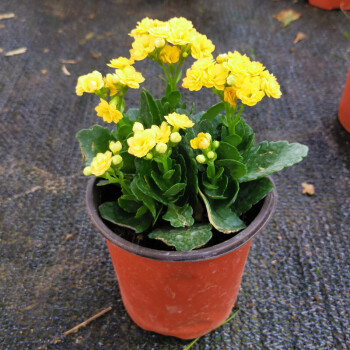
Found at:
<point>160,32</point>
<point>89,83</point>
<point>144,26</point>
<point>270,85</point>
<point>237,64</point>
<point>170,54</point>
<point>222,58</point>
<point>216,77</point>
<point>141,143</point>
<point>142,46</point>
<point>202,141</point>
<point>255,68</point>
<point>162,133</point>
<point>120,62</point>
<point>181,31</point>
<point>230,96</point>
<point>193,79</point>
<point>110,81</point>
<point>108,112</point>
<point>129,77</point>
<point>201,46</point>
<point>101,163</point>
<point>179,121</point>
<point>250,93</point>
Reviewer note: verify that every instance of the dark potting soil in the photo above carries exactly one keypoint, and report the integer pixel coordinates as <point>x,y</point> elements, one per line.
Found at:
<point>111,193</point>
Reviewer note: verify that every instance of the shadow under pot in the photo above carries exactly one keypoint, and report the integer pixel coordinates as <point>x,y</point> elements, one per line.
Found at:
<point>181,294</point>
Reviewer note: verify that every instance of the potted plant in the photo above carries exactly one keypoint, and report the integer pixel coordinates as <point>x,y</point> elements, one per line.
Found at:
<point>179,195</point>
<point>331,4</point>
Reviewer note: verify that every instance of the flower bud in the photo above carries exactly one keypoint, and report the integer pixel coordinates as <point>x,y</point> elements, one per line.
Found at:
<point>185,54</point>
<point>161,147</point>
<point>175,137</point>
<point>230,80</point>
<point>115,147</point>
<point>211,155</point>
<point>201,159</point>
<point>137,127</point>
<point>149,156</point>
<point>160,42</point>
<point>216,144</point>
<point>116,160</point>
<point>87,171</point>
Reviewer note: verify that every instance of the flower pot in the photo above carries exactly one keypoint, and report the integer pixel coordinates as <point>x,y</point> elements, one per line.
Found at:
<point>344,106</point>
<point>181,294</point>
<point>331,4</point>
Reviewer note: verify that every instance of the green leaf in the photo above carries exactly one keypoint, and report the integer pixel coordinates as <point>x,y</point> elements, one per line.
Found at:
<point>179,216</point>
<point>221,216</point>
<point>111,212</point>
<point>184,239</point>
<point>227,151</point>
<point>248,138</point>
<point>149,112</point>
<point>270,157</point>
<point>128,162</point>
<point>141,211</point>
<point>213,111</point>
<point>174,190</point>
<point>128,203</point>
<point>159,181</point>
<point>251,193</point>
<point>133,114</point>
<point>233,140</point>
<point>168,174</point>
<point>174,98</point>
<point>152,192</point>
<point>142,197</point>
<point>93,141</point>
<point>235,168</point>
<point>219,191</point>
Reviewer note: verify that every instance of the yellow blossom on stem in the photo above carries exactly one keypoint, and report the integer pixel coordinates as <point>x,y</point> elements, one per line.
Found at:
<point>179,121</point>
<point>222,58</point>
<point>250,93</point>
<point>201,46</point>
<point>89,83</point>
<point>120,62</point>
<point>101,163</point>
<point>129,77</point>
<point>141,143</point>
<point>108,112</point>
<point>170,54</point>
<point>230,96</point>
<point>270,85</point>
<point>255,68</point>
<point>142,46</point>
<point>110,81</point>
<point>202,141</point>
<point>162,133</point>
<point>216,77</point>
<point>193,79</point>
<point>181,31</point>
<point>144,26</point>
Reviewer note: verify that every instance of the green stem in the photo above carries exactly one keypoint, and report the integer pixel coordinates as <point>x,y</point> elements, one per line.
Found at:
<point>161,63</point>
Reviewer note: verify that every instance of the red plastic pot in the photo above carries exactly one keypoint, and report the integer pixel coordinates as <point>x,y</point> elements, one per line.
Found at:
<point>181,294</point>
<point>344,106</point>
<point>331,4</point>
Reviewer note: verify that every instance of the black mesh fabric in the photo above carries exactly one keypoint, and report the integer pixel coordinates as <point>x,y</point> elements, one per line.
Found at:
<point>55,271</point>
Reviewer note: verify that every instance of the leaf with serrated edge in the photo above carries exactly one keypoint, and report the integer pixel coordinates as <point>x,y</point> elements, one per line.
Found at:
<point>251,193</point>
<point>110,211</point>
<point>270,157</point>
<point>221,216</point>
<point>184,239</point>
<point>235,168</point>
<point>179,216</point>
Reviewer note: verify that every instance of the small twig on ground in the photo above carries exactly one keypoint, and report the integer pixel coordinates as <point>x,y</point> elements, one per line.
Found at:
<point>83,324</point>
<point>7,15</point>
<point>344,12</point>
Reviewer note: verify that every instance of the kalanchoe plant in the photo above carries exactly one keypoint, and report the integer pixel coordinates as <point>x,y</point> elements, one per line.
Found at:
<point>194,172</point>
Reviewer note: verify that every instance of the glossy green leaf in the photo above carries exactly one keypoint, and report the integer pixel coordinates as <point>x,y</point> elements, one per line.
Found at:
<point>270,157</point>
<point>133,114</point>
<point>142,197</point>
<point>251,193</point>
<point>248,138</point>
<point>128,162</point>
<point>221,216</point>
<point>175,190</point>
<point>129,203</point>
<point>168,174</point>
<point>235,168</point>
<point>227,151</point>
<point>179,216</point>
<point>213,111</point>
<point>174,98</point>
<point>149,112</point>
<point>111,212</point>
<point>184,239</point>
<point>152,192</point>
<point>93,141</point>
<point>233,140</point>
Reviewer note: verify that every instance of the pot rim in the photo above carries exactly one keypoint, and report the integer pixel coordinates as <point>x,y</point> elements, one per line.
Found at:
<point>241,238</point>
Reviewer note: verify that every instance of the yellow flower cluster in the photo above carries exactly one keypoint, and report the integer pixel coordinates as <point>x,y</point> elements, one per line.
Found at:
<point>150,34</point>
<point>144,140</point>
<point>234,74</point>
<point>202,141</point>
<point>101,163</point>
<point>108,112</point>
<point>89,83</point>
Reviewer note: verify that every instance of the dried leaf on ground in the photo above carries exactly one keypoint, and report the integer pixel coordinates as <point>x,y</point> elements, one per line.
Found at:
<point>95,54</point>
<point>19,51</point>
<point>300,36</point>
<point>87,37</point>
<point>43,71</point>
<point>287,16</point>
<point>69,61</point>
<point>7,15</point>
<point>65,70</point>
<point>307,189</point>
<point>69,236</point>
